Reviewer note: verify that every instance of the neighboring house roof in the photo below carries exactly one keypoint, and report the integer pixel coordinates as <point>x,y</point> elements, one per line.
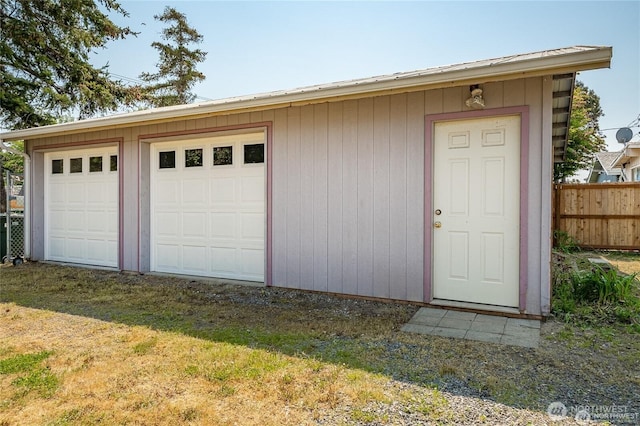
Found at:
<point>630,150</point>
<point>604,162</point>
<point>562,63</point>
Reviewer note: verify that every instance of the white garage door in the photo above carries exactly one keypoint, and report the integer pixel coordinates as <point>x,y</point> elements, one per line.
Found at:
<point>208,207</point>
<point>81,199</point>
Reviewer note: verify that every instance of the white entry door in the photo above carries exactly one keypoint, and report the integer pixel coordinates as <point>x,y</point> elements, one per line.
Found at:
<point>208,207</point>
<point>81,200</point>
<point>476,211</point>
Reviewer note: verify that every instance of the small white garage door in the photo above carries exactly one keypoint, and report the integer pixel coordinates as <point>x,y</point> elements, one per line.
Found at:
<point>81,199</point>
<point>208,207</point>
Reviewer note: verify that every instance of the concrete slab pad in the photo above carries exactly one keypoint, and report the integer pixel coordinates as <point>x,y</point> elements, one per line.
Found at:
<point>460,324</point>
<point>520,334</point>
<point>478,327</point>
<point>491,318</point>
<point>449,332</point>
<point>425,320</point>
<point>461,315</point>
<point>483,336</point>
<point>487,327</point>
<point>430,312</point>
<point>417,328</point>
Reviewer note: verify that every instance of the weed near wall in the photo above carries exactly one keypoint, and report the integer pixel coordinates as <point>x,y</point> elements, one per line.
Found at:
<point>596,296</point>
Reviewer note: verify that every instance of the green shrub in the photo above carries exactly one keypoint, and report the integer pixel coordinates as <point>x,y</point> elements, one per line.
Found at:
<point>595,296</point>
<point>603,286</point>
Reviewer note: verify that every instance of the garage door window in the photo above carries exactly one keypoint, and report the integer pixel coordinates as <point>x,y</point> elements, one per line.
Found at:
<point>95,164</point>
<point>254,153</point>
<point>168,160</point>
<point>113,166</point>
<point>75,165</point>
<point>193,157</point>
<point>222,155</point>
<point>57,167</point>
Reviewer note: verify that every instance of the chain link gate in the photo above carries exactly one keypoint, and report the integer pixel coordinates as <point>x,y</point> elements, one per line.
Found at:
<point>12,220</point>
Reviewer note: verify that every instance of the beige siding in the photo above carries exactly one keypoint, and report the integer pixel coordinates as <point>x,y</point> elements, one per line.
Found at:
<point>347,188</point>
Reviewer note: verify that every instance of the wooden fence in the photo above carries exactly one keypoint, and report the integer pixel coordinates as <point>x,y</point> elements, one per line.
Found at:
<point>600,215</point>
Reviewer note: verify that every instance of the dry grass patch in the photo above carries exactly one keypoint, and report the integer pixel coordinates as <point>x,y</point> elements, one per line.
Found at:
<point>118,374</point>
<point>85,347</point>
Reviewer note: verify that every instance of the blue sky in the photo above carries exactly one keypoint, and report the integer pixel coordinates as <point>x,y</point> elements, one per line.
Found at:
<point>263,46</point>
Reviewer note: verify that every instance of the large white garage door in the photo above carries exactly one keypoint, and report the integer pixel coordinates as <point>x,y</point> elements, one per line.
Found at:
<point>208,207</point>
<point>81,199</point>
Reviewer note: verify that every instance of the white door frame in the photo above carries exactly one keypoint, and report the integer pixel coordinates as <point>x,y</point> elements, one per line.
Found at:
<point>430,121</point>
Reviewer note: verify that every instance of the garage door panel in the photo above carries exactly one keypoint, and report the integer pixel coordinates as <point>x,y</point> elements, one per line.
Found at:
<point>168,257</point>
<point>97,221</point>
<point>75,220</point>
<point>112,252</point>
<point>252,261</point>
<point>56,248</point>
<point>57,193</point>
<point>112,223</point>
<point>76,192</point>
<point>75,248</point>
<point>112,195</point>
<point>81,219</point>
<point>222,191</point>
<point>223,259</point>
<point>97,193</point>
<point>252,225</point>
<point>194,192</point>
<point>221,210</point>
<point>167,224</point>
<point>97,250</point>
<point>167,193</point>
<point>194,225</point>
<point>252,189</point>
<point>57,220</point>
<point>194,258</point>
<point>223,225</point>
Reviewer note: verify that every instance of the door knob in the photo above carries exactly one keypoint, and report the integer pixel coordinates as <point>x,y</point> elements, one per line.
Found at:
<point>437,225</point>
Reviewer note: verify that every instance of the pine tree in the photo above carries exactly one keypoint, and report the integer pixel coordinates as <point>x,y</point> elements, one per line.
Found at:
<point>177,73</point>
<point>44,61</point>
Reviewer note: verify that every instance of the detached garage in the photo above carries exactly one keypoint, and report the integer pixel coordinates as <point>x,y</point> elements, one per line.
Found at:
<point>430,186</point>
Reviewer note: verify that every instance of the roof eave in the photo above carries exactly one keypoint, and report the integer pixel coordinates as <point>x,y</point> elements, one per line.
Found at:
<point>593,58</point>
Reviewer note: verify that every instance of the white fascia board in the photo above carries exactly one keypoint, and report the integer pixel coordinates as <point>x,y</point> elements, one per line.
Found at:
<point>518,66</point>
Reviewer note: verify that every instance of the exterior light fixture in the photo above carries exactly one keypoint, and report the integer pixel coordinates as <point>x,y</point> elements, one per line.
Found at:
<point>476,101</point>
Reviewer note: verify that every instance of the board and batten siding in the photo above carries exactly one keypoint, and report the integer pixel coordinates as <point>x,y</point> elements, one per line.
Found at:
<point>347,197</point>
<point>347,187</point>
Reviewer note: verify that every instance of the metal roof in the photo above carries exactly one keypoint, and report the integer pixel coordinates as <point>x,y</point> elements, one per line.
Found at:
<point>562,63</point>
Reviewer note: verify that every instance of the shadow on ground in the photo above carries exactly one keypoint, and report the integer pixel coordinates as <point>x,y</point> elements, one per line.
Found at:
<point>575,368</point>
